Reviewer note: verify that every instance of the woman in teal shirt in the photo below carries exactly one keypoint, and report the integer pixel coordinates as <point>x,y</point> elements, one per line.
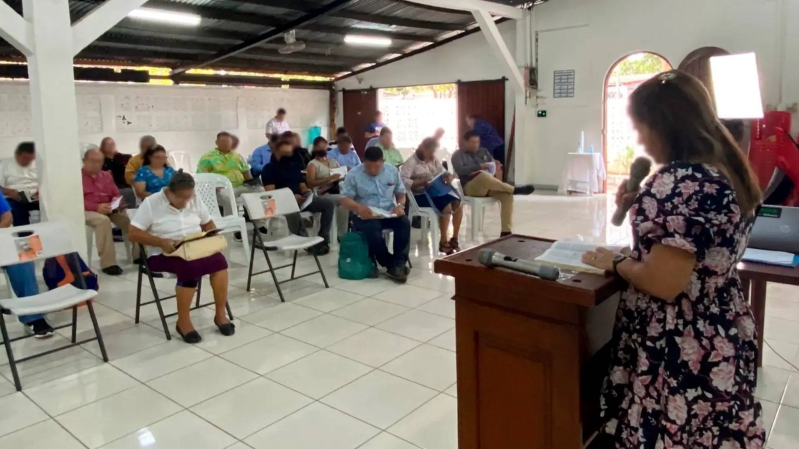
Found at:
<point>154,174</point>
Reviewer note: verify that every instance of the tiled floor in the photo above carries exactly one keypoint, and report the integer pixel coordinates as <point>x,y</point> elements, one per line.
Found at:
<point>366,364</point>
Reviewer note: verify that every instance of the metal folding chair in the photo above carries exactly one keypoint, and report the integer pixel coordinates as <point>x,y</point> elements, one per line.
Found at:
<point>27,244</point>
<point>144,268</point>
<point>276,203</point>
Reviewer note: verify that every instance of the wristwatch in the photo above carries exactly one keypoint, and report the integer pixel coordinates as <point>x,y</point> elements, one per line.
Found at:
<point>616,261</point>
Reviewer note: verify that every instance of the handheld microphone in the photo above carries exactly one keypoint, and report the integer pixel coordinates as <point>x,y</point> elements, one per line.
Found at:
<point>638,171</point>
<point>492,259</point>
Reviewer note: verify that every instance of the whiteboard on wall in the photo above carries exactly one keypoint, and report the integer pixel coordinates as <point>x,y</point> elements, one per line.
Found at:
<point>16,119</point>
<point>145,113</point>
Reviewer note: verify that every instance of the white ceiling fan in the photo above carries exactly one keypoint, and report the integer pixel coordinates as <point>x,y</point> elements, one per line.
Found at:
<point>292,44</point>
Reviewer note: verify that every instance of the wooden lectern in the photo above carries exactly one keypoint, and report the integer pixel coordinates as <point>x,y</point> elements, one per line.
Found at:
<point>528,350</point>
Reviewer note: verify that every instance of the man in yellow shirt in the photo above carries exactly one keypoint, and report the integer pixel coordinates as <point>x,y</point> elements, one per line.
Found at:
<point>137,161</point>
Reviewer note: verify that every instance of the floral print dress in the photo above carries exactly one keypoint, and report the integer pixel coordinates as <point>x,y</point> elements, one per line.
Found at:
<point>683,372</point>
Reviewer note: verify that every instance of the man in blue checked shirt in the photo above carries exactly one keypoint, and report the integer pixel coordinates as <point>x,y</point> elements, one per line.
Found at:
<point>344,154</point>
<point>375,194</point>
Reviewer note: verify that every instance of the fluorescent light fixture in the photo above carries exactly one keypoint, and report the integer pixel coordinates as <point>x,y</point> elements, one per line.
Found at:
<point>355,39</point>
<point>158,15</point>
<point>736,86</point>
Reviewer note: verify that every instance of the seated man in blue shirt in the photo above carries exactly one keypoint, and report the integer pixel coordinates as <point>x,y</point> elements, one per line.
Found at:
<point>344,154</point>
<point>262,155</point>
<point>376,187</point>
<point>285,172</point>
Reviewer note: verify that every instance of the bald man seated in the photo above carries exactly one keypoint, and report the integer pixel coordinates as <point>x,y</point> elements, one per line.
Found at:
<point>99,196</point>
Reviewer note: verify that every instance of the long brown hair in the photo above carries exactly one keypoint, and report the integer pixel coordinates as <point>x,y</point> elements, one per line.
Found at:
<point>677,108</point>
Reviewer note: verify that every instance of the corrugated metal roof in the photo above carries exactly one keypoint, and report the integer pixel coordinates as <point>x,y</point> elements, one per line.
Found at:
<point>229,22</point>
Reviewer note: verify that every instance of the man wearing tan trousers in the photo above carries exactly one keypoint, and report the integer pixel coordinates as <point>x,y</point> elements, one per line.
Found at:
<point>99,193</point>
<point>473,165</point>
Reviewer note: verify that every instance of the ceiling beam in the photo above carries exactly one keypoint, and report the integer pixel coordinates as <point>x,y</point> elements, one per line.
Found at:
<point>93,25</point>
<point>434,8</point>
<point>306,19</point>
<point>253,81</point>
<point>496,9</point>
<point>15,30</point>
<point>307,6</point>
<point>191,49</point>
<point>140,56</point>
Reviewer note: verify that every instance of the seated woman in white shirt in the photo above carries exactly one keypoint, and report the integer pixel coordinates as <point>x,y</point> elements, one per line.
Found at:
<point>166,218</point>
<point>324,182</point>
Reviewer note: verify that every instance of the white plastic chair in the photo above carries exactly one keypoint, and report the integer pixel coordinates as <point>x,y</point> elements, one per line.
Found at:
<point>205,188</point>
<point>284,204</point>
<point>181,160</point>
<point>428,217</point>
<point>477,206</point>
<point>40,242</point>
<point>90,245</point>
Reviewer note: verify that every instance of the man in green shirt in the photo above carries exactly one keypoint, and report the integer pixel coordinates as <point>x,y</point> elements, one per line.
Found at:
<point>224,160</point>
<point>391,154</point>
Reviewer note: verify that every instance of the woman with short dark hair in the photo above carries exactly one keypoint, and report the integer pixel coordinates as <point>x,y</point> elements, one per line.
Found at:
<point>154,174</point>
<point>164,219</point>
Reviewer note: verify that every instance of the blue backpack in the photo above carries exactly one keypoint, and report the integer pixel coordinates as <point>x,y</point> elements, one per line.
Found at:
<point>354,261</point>
<point>58,271</point>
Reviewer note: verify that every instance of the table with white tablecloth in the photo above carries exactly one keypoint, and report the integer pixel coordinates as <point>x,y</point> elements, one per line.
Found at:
<point>584,173</point>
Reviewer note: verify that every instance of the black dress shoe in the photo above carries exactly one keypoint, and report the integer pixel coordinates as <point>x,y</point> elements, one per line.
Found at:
<point>191,338</point>
<point>113,270</point>
<point>504,234</point>
<point>397,274</point>
<point>227,329</point>
<point>524,190</point>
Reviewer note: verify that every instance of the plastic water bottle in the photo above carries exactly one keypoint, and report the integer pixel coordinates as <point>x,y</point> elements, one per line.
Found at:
<point>591,149</point>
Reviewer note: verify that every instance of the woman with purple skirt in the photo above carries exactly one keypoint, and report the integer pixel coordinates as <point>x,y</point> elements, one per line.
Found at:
<point>164,219</point>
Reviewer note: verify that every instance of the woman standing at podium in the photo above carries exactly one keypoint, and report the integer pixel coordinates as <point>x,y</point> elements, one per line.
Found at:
<point>683,369</point>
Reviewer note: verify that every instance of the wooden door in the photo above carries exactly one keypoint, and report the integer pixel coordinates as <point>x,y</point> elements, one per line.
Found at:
<point>485,99</point>
<point>360,107</point>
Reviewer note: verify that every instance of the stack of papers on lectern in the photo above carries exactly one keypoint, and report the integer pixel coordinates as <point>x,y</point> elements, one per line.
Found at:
<point>780,258</point>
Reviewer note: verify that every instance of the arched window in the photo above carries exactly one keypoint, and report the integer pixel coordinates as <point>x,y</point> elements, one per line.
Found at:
<point>619,137</point>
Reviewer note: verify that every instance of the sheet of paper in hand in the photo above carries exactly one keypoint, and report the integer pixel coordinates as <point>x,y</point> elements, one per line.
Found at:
<point>492,168</point>
<point>339,171</point>
<point>381,213</point>
<point>308,199</point>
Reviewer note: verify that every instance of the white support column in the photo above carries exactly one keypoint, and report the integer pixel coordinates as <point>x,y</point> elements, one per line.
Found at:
<point>54,110</point>
<point>475,5</point>
<point>495,41</point>
<point>14,29</point>
<point>89,28</point>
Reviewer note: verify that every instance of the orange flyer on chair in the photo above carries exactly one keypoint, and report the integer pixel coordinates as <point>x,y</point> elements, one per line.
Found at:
<point>270,207</point>
<point>28,248</point>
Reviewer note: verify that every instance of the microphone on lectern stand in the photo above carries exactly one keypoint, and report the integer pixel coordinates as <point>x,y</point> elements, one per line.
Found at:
<point>639,170</point>
<point>491,259</point>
